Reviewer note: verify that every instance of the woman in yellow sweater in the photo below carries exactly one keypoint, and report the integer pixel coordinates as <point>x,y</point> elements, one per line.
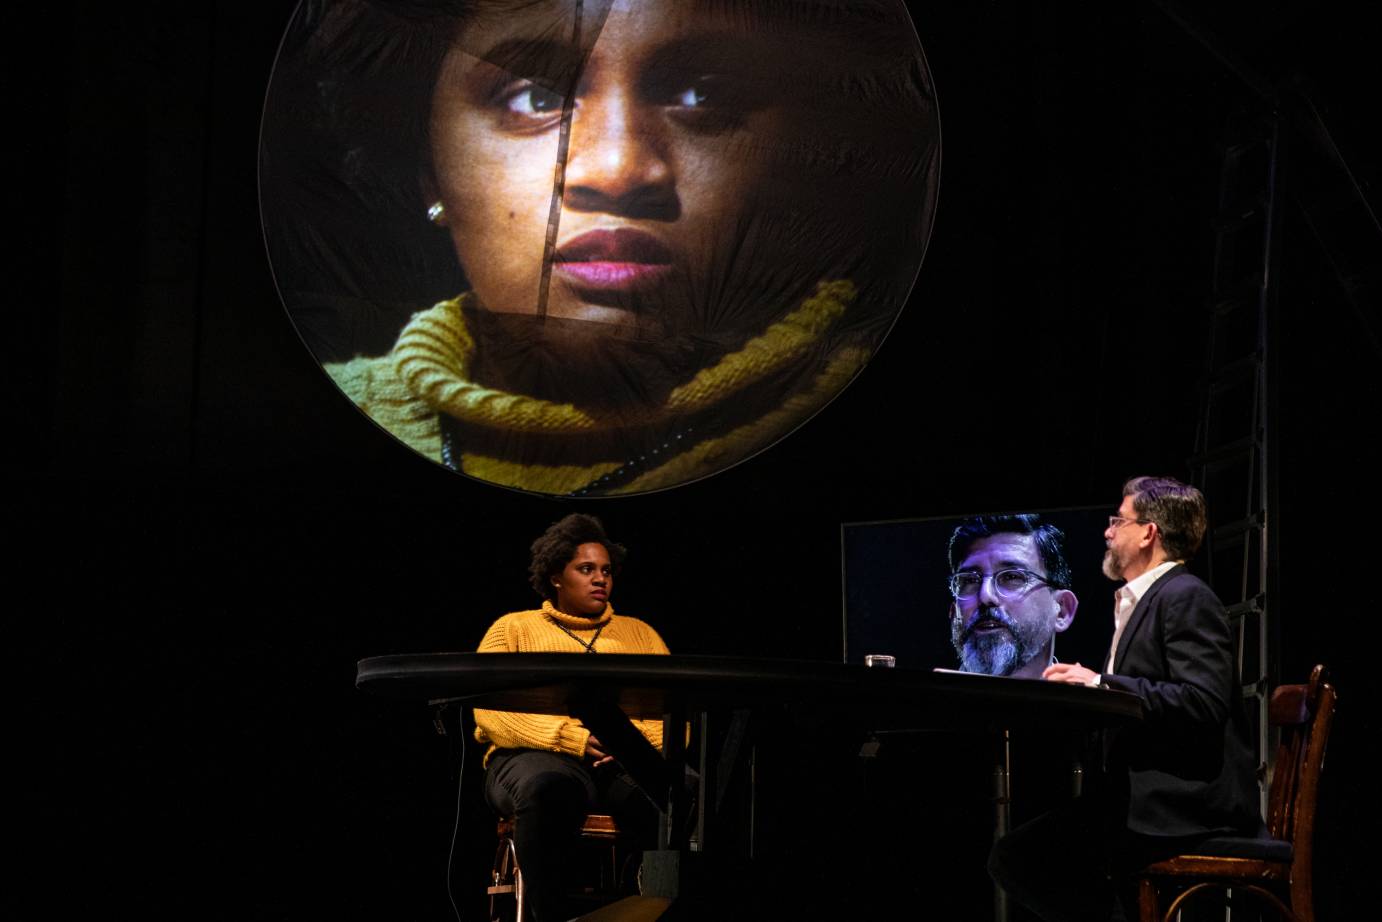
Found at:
<point>548,772</point>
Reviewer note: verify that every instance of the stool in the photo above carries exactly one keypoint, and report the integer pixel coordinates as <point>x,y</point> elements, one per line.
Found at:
<point>599,832</point>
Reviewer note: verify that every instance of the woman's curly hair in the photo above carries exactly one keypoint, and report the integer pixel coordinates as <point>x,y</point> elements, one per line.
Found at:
<point>557,546</point>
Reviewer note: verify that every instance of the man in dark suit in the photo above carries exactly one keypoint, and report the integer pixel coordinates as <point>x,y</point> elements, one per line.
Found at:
<point>1185,773</point>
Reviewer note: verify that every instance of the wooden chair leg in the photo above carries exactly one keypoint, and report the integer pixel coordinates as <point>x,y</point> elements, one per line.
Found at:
<point>1147,908</point>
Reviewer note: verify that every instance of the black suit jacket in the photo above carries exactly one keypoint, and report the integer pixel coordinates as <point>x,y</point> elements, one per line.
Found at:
<point>1190,768</point>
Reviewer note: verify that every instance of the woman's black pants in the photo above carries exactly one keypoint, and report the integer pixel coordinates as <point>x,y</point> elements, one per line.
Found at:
<point>549,794</point>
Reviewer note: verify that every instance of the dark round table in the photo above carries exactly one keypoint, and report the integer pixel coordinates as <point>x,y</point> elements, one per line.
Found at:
<point>605,691</point>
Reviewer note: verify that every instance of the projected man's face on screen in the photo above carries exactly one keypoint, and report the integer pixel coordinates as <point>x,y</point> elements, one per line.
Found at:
<point>1005,615</point>
<point>659,164</point>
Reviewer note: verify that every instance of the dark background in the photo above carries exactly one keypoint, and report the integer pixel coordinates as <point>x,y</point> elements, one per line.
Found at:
<point>208,536</point>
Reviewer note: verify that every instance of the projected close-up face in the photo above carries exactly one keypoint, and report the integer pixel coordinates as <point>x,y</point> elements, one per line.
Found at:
<point>1006,614</point>
<point>660,160</point>
<point>597,247</point>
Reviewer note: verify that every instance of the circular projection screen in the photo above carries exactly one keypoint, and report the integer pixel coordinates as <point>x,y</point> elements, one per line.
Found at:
<point>590,247</point>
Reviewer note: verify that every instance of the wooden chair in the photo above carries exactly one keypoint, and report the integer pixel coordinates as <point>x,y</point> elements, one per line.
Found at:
<point>506,879</point>
<point>1272,867</point>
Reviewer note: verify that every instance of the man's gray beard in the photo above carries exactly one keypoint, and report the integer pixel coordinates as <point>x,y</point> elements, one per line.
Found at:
<point>1112,566</point>
<point>991,654</point>
<point>999,653</point>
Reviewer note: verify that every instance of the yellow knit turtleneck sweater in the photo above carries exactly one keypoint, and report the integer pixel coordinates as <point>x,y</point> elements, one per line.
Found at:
<point>538,632</point>
<point>427,374</point>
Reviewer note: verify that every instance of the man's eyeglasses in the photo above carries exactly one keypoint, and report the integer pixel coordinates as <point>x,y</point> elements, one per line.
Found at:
<point>1009,584</point>
<point>1117,521</point>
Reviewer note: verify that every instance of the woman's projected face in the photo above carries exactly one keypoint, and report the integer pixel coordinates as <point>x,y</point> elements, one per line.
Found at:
<point>597,246</point>
<point>661,175</point>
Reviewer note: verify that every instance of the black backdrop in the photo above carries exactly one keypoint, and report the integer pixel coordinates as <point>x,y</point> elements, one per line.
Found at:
<point>207,536</point>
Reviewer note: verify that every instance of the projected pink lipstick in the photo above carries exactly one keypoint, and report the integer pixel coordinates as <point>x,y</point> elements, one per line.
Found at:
<point>613,260</point>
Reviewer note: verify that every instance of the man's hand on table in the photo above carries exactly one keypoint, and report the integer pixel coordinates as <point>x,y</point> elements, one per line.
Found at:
<point>1070,674</point>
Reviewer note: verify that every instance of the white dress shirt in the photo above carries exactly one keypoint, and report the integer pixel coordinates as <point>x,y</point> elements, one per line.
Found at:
<point>1126,599</point>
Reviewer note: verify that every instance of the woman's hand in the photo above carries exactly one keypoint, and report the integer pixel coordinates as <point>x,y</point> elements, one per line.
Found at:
<point>595,750</point>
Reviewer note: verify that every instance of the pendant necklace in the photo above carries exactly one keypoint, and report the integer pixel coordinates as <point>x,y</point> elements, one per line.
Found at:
<point>589,647</point>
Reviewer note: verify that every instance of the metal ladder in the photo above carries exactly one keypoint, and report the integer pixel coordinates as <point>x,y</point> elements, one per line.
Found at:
<point>1234,453</point>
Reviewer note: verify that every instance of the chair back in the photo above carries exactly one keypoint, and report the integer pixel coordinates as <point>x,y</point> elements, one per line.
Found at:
<point>1304,714</point>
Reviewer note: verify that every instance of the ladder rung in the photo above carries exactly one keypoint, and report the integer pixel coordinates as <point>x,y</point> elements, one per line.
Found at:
<point>1238,528</point>
<point>1235,450</point>
<point>1235,301</point>
<point>1239,218</point>
<point>1250,140</point>
<point>1252,606</point>
<point>1235,372</point>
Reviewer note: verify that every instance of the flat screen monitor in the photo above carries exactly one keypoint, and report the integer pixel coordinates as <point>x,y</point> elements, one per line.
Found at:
<point>898,599</point>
